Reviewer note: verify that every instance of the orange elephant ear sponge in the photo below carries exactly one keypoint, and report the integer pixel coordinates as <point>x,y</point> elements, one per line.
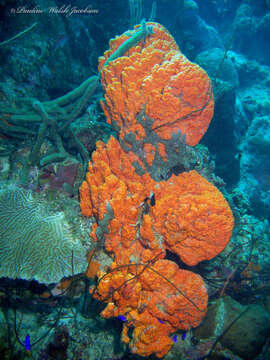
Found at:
<point>155,300</point>
<point>190,216</point>
<point>114,194</point>
<point>137,219</point>
<point>155,79</point>
<point>193,218</point>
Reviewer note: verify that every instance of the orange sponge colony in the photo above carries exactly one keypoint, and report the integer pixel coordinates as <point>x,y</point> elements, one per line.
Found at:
<point>190,217</point>
<point>157,99</point>
<point>156,79</point>
<point>113,187</point>
<point>138,219</point>
<point>189,214</point>
<point>155,300</point>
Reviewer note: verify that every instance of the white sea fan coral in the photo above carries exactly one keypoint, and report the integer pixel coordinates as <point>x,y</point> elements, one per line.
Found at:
<point>35,243</point>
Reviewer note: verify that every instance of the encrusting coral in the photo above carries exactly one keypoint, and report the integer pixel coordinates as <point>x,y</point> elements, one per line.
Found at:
<point>158,100</point>
<point>154,77</point>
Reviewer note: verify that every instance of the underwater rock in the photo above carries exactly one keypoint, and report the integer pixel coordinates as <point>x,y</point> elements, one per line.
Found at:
<point>196,34</point>
<point>256,102</point>
<point>252,132</point>
<point>57,349</point>
<point>91,127</point>
<point>241,328</point>
<point>251,23</point>
<point>220,137</point>
<point>253,76</point>
<point>4,167</point>
<point>255,165</point>
<point>61,176</point>
<point>190,5</point>
<point>216,65</point>
<point>244,25</point>
<point>263,28</point>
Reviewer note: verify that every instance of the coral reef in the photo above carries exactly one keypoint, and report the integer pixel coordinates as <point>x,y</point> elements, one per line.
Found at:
<point>156,217</point>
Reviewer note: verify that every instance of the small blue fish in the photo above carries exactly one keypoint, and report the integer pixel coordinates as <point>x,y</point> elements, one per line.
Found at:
<point>27,343</point>
<point>184,335</point>
<point>122,318</point>
<point>161,321</point>
<point>174,339</point>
